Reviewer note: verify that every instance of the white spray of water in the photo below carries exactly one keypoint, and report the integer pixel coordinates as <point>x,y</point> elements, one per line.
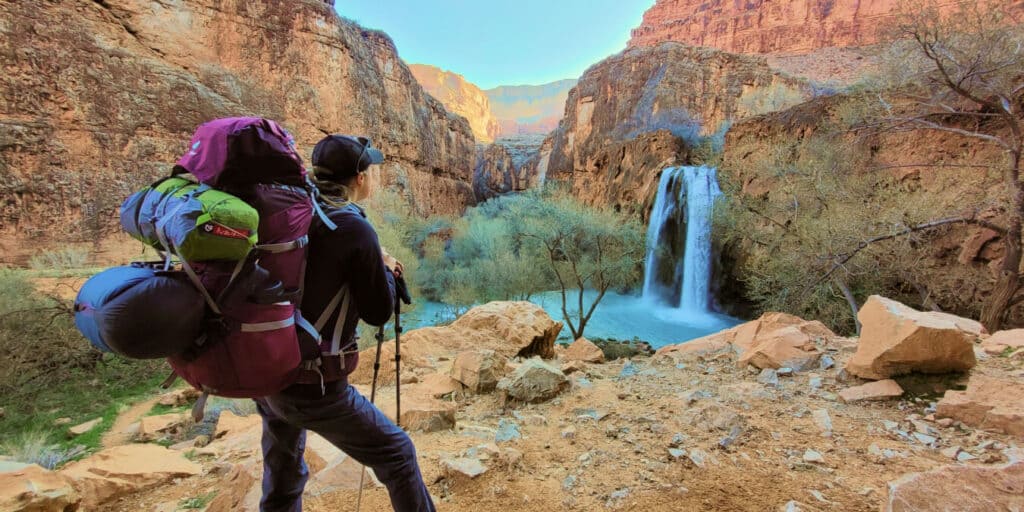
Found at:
<point>693,201</point>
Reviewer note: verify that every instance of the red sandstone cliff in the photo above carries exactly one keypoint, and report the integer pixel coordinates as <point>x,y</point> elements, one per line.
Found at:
<point>98,98</point>
<point>771,26</point>
<point>459,96</point>
<point>637,112</point>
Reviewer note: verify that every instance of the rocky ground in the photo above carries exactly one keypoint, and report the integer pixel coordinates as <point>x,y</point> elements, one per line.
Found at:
<point>720,423</point>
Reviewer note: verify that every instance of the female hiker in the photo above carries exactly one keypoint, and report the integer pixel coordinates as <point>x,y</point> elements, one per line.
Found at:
<point>348,256</point>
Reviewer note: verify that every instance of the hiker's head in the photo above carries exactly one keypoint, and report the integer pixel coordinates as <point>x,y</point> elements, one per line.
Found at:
<point>342,166</point>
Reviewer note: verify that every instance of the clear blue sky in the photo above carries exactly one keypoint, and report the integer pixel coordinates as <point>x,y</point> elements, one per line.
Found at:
<point>494,42</point>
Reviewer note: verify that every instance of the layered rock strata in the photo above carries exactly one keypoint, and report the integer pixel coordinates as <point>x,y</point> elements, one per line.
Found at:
<point>98,98</point>
<point>764,26</point>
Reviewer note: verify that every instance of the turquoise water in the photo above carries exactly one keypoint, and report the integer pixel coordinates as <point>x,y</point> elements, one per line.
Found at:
<point>622,317</point>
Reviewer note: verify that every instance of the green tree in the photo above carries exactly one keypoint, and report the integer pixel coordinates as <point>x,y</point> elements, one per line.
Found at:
<point>963,73</point>
<point>583,248</point>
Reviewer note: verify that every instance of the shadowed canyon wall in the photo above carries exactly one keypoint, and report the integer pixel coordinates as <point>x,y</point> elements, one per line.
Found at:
<point>99,98</point>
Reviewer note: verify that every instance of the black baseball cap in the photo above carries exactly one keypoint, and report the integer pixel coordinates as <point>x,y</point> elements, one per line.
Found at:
<point>343,156</point>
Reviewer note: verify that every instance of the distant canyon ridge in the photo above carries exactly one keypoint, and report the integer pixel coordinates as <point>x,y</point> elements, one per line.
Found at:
<point>501,112</point>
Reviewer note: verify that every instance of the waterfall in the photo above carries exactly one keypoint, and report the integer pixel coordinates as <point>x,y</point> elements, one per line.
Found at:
<point>678,269</point>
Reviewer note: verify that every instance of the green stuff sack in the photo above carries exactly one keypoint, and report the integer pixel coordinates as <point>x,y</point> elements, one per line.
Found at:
<point>197,222</point>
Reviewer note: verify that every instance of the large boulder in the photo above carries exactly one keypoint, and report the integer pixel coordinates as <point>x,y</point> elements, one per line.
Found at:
<point>534,381</point>
<point>959,488</point>
<point>510,329</point>
<point>584,350</point>
<point>419,412</point>
<point>751,333</point>
<point>28,487</point>
<point>121,470</point>
<point>788,347</point>
<point>479,370</point>
<point>707,346</point>
<point>896,340</point>
<point>989,403</point>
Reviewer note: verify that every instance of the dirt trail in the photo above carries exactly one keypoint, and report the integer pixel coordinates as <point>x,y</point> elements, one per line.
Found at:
<point>117,436</point>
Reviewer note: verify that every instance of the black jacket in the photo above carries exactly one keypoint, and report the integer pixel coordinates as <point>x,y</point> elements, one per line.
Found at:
<point>350,254</point>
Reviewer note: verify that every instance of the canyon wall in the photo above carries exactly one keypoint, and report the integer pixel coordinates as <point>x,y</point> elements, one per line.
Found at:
<point>460,97</point>
<point>682,92</point>
<point>99,98</point>
<point>772,26</point>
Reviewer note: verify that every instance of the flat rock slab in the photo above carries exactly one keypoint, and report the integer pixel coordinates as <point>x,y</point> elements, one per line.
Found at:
<point>989,403</point>
<point>880,390</point>
<point>29,487</point>
<point>117,471</point>
<point>959,489</point>
<point>999,342</point>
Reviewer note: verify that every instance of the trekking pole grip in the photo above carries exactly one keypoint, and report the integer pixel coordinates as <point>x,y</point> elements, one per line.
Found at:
<point>402,290</point>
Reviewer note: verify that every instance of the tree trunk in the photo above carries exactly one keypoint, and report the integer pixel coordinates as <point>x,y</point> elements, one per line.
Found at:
<point>1008,282</point>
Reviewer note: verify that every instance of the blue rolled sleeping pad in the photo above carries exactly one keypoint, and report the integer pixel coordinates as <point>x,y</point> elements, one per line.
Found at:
<point>140,312</point>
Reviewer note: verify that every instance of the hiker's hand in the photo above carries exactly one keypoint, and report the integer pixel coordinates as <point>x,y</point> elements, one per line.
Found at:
<point>396,266</point>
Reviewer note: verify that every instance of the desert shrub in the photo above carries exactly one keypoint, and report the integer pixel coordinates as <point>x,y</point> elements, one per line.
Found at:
<point>67,258</point>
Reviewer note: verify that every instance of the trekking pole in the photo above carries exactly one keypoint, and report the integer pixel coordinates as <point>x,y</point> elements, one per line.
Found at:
<point>401,295</point>
<point>373,395</point>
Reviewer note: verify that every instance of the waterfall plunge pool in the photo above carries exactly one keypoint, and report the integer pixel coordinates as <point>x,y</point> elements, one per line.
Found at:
<point>622,317</point>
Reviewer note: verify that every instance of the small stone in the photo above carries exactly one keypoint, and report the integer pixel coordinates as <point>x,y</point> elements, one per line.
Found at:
<point>569,483</point>
<point>823,421</point>
<point>698,457</point>
<point>80,429</point>
<point>628,370</point>
<point>815,382</point>
<point>964,457</point>
<point>507,431</point>
<point>784,372</point>
<point>792,506</point>
<point>471,468</point>
<point>951,452</point>
<point>924,438</point>
<point>813,457</point>
<point>818,496</point>
<point>945,422</point>
<point>768,377</point>
<point>61,422</point>
<point>676,453</point>
<point>890,425</point>
<point>880,390</point>
<point>678,439</point>
<point>826,362</point>
<point>569,432</point>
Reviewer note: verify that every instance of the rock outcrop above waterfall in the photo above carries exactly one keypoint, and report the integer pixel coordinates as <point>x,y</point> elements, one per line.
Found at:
<point>460,97</point>
<point>608,433</point>
<point>529,109</point>
<point>621,118</point>
<point>798,26</point>
<point>98,98</point>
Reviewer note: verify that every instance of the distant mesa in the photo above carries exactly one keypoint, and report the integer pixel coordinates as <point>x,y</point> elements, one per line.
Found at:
<point>504,111</point>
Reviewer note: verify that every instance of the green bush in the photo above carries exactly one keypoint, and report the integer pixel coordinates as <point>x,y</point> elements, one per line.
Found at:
<point>68,258</point>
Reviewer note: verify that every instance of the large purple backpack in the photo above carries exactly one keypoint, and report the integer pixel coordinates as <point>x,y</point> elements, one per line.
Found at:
<point>251,346</point>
